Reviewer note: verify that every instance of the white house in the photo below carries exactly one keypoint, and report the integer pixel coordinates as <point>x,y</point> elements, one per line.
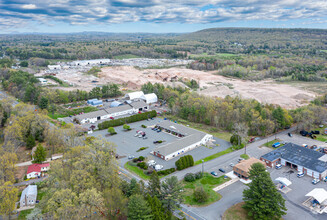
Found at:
<point>150,98</point>
<point>28,197</point>
<point>43,81</point>
<point>35,170</point>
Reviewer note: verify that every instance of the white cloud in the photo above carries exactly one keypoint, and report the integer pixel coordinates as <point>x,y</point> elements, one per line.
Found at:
<point>29,6</point>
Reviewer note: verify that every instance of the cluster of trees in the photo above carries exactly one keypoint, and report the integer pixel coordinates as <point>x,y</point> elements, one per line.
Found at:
<point>184,162</point>
<point>191,177</point>
<point>263,66</point>
<point>26,87</point>
<point>166,172</point>
<point>130,119</point>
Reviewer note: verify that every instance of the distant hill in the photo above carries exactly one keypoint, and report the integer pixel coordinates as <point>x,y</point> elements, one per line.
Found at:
<point>259,35</point>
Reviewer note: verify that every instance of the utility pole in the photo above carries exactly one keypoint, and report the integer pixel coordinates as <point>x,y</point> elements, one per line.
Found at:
<point>202,166</point>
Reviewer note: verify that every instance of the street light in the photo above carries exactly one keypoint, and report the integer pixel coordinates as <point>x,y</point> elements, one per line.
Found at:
<point>202,166</point>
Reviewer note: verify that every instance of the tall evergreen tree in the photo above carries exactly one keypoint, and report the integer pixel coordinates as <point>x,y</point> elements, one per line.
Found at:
<point>138,208</point>
<point>39,154</point>
<point>171,193</point>
<point>262,200</point>
<point>158,212</point>
<point>154,185</point>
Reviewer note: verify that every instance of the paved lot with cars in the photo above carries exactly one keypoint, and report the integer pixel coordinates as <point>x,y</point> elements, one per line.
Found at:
<point>128,144</point>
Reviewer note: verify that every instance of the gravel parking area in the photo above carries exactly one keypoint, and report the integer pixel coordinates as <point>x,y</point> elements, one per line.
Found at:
<point>128,144</point>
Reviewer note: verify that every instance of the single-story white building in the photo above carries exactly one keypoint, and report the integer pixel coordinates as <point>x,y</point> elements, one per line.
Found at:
<point>35,170</point>
<point>150,98</point>
<point>28,197</point>
<point>188,139</point>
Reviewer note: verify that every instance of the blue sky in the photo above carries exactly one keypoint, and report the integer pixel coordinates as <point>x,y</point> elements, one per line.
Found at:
<point>157,16</point>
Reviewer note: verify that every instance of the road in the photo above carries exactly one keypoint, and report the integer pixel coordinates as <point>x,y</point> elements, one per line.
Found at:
<point>31,181</point>
<point>27,163</point>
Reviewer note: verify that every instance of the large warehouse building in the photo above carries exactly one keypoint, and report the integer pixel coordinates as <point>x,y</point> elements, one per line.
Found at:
<point>107,113</point>
<point>188,139</point>
<point>310,162</point>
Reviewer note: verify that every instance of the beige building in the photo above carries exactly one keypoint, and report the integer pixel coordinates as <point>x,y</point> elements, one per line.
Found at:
<point>242,168</point>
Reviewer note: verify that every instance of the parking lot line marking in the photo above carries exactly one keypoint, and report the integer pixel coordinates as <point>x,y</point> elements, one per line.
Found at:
<point>186,214</point>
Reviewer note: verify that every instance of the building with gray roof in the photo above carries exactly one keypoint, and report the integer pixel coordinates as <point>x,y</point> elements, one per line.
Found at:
<point>308,161</point>
<point>188,139</point>
<point>28,197</point>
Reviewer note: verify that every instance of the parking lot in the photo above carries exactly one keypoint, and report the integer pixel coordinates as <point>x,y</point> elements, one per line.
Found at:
<point>127,144</point>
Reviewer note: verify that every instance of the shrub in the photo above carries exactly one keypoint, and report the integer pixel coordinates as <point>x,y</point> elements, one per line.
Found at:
<point>112,131</point>
<point>184,162</point>
<point>142,148</point>
<point>235,139</point>
<point>141,158</point>
<point>142,165</point>
<point>143,126</point>
<point>30,142</point>
<point>200,195</point>
<point>25,177</point>
<point>130,119</point>
<point>166,172</point>
<point>189,177</point>
<point>135,160</point>
<point>198,175</point>
<point>127,127</point>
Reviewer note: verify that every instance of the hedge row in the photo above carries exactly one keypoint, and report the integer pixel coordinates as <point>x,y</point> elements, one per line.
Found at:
<point>130,119</point>
<point>184,162</point>
<point>166,172</point>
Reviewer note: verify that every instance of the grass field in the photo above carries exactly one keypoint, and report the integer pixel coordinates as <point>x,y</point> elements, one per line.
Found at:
<point>24,213</point>
<point>270,143</point>
<point>72,112</point>
<point>217,55</point>
<point>245,156</point>
<point>213,156</point>
<point>320,137</point>
<point>236,212</point>
<point>136,170</point>
<point>205,128</point>
<point>208,182</point>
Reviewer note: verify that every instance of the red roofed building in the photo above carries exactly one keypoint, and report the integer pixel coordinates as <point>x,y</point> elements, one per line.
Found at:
<point>36,169</point>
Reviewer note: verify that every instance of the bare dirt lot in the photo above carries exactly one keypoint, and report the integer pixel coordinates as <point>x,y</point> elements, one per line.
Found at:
<point>288,96</point>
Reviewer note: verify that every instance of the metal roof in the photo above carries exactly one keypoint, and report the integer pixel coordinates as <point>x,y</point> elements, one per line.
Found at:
<point>298,155</point>
<point>138,104</point>
<point>150,98</point>
<point>179,144</point>
<point>117,109</point>
<point>91,115</point>
<point>318,194</point>
<point>30,190</point>
<point>135,95</point>
<point>115,104</point>
<point>181,129</point>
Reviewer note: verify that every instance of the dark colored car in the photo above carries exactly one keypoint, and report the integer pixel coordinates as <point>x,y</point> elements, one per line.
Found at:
<point>251,140</point>
<point>315,132</point>
<point>289,134</point>
<point>222,170</point>
<point>304,133</point>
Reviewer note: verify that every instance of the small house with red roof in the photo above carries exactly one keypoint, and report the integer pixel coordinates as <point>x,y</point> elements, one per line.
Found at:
<point>35,170</point>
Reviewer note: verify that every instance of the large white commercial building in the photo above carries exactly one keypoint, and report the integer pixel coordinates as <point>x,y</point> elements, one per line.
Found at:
<point>108,113</point>
<point>188,139</point>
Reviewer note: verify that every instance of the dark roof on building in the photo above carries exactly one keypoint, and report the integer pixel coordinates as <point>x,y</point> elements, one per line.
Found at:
<point>118,109</point>
<point>299,156</point>
<point>181,129</point>
<point>138,104</point>
<point>91,115</point>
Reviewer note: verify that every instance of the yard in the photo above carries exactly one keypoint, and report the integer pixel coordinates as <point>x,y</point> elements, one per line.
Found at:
<point>236,212</point>
<point>270,143</point>
<point>320,137</point>
<point>66,112</point>
<point>130,166</point>
<point>208,182</point>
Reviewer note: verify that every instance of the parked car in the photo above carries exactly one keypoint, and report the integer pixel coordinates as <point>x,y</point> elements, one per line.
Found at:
<point>315,132</point>
<point>240,159</point>
<point>289,134</point>
<point>300,174</point>
<point>145,137</point>
<point>231,164</point>
<point>315,181</point>
<point>111,117</point>
<point>325,180</point>
<point>214,173</point>
<point>304,133</point>
<point>222,170</point>
<point>131,157</point>
<point>278,166</point>
<point>158,131</point>
<point>251,140</point>
<point>321,126</point>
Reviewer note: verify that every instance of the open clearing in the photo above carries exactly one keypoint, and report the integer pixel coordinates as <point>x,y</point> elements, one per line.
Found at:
<point>267,91</point>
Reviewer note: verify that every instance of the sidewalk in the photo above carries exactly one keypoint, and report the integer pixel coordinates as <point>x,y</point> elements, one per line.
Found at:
<point>233,180</point>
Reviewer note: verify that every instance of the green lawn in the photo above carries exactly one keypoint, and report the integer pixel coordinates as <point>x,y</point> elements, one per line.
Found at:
<point>270,143</point>
<point>72,112</point>
<point>24,213</point>
<point>208,182</point>
<point>236,212</point>
<point>245,156</point>
<point>202,127</point>
<point>136,170</point>
<point>320,137</point>
<point>213,156</point>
